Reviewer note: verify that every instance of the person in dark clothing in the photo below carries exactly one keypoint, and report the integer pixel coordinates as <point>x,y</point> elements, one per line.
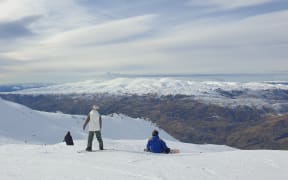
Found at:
<point>68,139</point>
<point>157,145</point>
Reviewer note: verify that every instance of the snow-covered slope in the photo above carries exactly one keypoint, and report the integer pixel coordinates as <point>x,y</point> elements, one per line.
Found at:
<point>21,124</point>
<point>160,86</point>
<point>25,125</point>
<point>125,160</point>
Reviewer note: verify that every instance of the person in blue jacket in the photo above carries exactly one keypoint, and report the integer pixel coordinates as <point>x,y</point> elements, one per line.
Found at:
<point>157,145</point>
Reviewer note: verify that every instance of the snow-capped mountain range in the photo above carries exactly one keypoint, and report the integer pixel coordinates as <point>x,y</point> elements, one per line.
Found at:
<point>256,94</point>
<point>158,86</point>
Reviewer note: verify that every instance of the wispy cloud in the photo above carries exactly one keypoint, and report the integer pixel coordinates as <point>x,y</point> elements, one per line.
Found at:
<point>227,4</point>
<point>16,29</point>
<point>115,30</point>
<point>83,42</point>
<point>49,37</point>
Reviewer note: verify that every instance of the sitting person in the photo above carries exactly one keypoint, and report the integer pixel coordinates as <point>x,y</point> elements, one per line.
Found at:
<point>156,145</point>
<point>68,139</point>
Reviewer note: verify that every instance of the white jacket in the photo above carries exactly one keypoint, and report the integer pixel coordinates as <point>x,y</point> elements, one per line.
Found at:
<point>94,123</point>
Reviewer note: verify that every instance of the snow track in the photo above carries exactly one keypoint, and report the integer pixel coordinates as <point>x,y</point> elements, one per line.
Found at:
<point>62,162</point>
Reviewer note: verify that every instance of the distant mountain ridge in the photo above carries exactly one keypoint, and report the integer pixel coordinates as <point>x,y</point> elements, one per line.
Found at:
<point>195,112</point>
<point>159,86</point>
<point>18,87</point>
<point>258,94</point>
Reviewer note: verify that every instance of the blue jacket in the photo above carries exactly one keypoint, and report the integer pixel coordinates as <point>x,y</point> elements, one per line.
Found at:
<point>156,145</point>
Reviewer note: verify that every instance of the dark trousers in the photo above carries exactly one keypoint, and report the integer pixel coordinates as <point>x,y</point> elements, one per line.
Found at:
<point>99,138</point>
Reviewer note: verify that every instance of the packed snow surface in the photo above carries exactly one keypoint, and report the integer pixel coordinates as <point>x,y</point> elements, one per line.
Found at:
<point>125,160</point>
<point>123,157</point>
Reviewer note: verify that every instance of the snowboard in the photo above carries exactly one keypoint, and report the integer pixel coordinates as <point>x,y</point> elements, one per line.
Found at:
<point>84,151</point>
<point>174,151</point>
<point>97,150</point>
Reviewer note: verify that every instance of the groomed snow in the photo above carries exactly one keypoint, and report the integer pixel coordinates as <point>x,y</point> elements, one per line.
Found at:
<point>125,160</point>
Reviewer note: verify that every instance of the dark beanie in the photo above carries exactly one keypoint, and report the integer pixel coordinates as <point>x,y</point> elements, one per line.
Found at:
<point>155,133</point>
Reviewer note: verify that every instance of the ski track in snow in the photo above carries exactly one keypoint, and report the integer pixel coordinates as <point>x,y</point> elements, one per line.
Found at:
<point>63,162</point>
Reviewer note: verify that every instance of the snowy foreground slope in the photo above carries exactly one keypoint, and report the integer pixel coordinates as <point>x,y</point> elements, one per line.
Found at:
<point>124,141</point>
<point>125,160</point>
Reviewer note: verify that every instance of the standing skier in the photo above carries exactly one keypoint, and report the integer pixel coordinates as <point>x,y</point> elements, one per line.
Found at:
<point>95,124</point>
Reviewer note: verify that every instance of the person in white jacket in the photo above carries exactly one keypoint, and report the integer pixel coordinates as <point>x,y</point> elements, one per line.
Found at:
<point>95,124</point>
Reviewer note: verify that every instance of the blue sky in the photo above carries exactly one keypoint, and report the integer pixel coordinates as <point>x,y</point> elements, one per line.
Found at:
<point>49,40</point>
